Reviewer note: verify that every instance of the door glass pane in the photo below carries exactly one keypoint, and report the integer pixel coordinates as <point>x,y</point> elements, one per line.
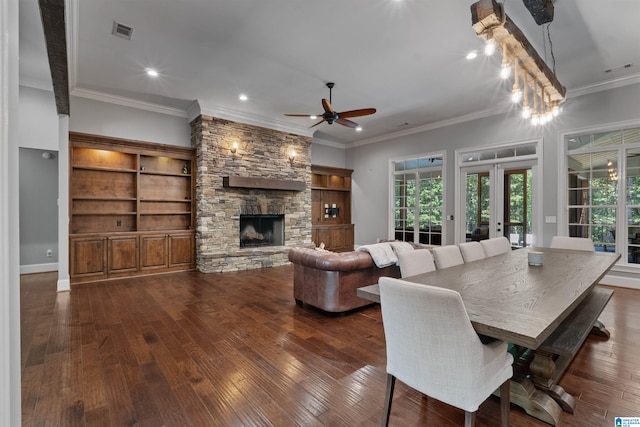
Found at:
<point>418,197</point>
<point>517,215</point>
<point>477,206</point>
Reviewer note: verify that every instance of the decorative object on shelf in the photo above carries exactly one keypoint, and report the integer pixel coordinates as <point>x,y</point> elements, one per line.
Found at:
<point>292,156</point>
<point>492,24</point>
<point>142,168</point>
<point>185,170</point>
<point>332,211</point>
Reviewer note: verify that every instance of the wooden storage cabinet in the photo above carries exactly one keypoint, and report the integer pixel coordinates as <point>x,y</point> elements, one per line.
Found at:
<point>132,208</point>
<point>331,208</point>
<point>338,238</point>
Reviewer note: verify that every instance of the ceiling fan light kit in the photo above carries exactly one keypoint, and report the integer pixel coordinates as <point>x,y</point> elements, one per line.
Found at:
<point>330,115</point>
<point>492,24</point>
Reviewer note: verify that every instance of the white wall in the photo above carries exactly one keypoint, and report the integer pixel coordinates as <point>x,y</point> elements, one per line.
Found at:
<point>371,162</point>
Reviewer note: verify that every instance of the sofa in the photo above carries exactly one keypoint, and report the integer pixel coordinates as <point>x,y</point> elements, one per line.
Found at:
<point>328,280</point>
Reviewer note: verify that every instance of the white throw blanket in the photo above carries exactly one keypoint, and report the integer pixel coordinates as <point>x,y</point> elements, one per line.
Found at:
<point>398,247</point>
<point>381,253</point>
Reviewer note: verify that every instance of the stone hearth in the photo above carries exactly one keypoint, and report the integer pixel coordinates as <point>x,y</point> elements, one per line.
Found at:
<point>261,153</point>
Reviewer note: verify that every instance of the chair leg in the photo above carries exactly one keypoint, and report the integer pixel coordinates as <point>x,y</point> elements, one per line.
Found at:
<point>386,411</point>
<point>505,407</point>
<point>470,418</point>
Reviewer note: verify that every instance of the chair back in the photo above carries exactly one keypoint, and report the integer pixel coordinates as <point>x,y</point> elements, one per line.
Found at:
<point>496,246</point>
<point>415,262</point>
<point>574,243</point>
<point>471,251</point>
<point>432,346</point>
<point>447,256</point>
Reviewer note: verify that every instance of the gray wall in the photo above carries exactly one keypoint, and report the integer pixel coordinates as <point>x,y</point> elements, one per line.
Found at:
<point>326,155</point>
<point>371,162</point>
<point>38,207</point>
<point>121,121</point>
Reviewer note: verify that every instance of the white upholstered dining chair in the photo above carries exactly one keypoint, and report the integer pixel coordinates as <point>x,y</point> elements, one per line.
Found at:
<point>471,251</point>
<point>415,262</point>
<point>496,246</point>
<point>447,256</point>
<point>433,348</point>
<point>574,243</point>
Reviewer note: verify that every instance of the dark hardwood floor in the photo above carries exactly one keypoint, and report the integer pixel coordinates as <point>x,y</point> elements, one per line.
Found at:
<point>234,349</point>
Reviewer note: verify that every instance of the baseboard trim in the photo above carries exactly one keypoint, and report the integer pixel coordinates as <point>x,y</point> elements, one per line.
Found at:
<point>614,279</point>
<point>38,268</point>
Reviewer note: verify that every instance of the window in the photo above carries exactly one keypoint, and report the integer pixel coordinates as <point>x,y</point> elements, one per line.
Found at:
<point>418,199</point>
<point>603,181</point>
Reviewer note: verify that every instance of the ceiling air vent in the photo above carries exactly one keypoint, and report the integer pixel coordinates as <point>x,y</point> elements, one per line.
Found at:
<point>122,30</point>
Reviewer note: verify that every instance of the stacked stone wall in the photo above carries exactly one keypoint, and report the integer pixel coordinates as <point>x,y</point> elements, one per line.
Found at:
<point>260,153</point>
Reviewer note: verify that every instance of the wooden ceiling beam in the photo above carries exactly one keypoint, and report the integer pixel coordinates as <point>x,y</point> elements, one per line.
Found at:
<point>52,13</point>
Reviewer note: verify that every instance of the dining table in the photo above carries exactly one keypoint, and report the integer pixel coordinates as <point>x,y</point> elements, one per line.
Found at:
<point>544,312</point>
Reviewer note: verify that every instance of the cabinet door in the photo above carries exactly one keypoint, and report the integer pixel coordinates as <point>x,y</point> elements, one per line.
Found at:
<point>324,236</point>
<point>337,238</point>
<point>153,251</point>
<point>181,249</point>
<point>123,254</point>
<point>88,257</point>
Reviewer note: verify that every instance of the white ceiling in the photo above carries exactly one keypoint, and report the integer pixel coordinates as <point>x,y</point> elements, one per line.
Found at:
<point>404,57</point>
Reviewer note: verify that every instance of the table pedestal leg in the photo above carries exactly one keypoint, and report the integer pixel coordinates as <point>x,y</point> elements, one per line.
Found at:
<point>543,370</point>
<point>533,401</point>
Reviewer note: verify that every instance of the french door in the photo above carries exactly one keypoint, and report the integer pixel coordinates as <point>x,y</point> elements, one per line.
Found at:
<point>497,196</point>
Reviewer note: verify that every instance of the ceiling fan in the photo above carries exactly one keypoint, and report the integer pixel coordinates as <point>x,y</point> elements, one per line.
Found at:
<point>330,115</point>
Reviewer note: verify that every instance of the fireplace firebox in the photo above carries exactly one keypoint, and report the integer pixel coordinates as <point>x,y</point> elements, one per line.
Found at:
<point>261,230</point>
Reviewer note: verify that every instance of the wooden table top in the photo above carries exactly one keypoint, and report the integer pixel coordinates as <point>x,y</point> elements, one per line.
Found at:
<point>509,300</point>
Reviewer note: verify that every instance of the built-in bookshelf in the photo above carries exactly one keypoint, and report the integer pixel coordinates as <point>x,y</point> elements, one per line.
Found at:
<point>132,208</point>
<point>331,208</point>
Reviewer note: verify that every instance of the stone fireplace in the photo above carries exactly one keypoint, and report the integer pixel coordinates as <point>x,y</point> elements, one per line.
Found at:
<point>257,191</point>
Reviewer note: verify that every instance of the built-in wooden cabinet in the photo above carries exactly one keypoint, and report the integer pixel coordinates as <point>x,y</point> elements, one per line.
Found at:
<point>331,208</point>
<point>132,208</point>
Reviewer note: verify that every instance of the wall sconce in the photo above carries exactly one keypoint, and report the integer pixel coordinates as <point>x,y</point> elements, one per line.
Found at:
<point>234,148</point>
<point>521,60</point>
<point>292,156</point>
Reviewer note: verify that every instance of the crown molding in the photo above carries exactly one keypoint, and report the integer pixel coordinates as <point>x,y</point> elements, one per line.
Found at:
<point>128,102</point>
<point>442,123</point>
<point>251,119</point>
<point>572,93</point>
<point>37,84</point>
<point>606,85</point>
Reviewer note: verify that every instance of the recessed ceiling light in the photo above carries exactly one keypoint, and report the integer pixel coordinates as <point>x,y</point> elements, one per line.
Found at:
<point>313,117</point>
<point>243,97</point>
<point>472,55</point>
<point>359,129</point>
<point>151,72</point>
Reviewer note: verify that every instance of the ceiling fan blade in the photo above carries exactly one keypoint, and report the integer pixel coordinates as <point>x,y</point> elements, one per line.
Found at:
<point>316,124</point>
<point>327,106</point>
<point>347,123</point>
<point>357,113</point>
<point>303,115</point>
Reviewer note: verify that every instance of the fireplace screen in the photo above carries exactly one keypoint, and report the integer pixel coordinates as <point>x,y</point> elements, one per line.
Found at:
<point>261,230</point>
